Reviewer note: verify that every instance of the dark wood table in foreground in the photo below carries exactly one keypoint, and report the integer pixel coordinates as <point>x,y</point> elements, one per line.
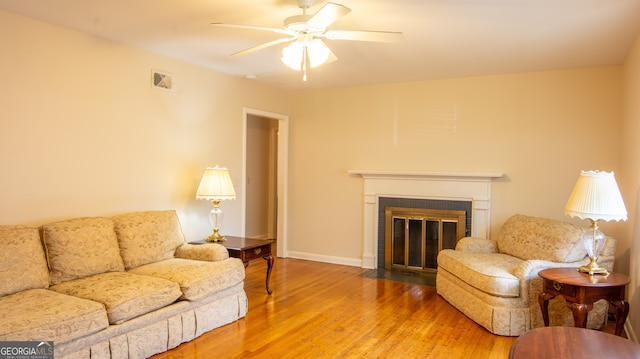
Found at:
<point>581,290</point>
<point>248,249</point>
<point>572,342</point>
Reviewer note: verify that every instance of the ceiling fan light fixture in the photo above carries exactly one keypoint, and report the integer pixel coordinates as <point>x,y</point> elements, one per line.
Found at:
<point>317,52</point>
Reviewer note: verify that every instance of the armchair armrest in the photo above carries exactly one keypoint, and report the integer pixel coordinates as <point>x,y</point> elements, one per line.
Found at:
<point>529,269</point>
<point>210,252</point>
<point>476,245</point>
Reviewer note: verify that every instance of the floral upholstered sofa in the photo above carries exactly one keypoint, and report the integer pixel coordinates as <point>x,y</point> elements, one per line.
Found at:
<point>496,283</point>
<point>128,286</point>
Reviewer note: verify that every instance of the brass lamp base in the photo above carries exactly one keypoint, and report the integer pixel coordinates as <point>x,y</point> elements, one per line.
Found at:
<point>215,237</point>
<point>592,268</point>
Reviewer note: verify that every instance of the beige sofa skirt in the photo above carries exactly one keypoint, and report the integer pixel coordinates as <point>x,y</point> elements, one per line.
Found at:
<point>160,330</point>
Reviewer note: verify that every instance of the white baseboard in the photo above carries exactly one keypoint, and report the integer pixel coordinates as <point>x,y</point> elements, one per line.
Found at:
<point>368,262</point>
<point>325,259</point>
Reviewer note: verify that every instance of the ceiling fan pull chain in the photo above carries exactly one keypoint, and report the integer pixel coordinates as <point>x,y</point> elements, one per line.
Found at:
<point>305,60</point>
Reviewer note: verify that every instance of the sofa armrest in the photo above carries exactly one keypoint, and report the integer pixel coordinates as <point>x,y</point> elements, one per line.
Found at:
<point>476,245</point>
<point>210,252</point>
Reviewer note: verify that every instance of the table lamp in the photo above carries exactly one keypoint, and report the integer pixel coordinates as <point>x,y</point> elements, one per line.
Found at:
<point>216,186</point>
<point>595,197</point>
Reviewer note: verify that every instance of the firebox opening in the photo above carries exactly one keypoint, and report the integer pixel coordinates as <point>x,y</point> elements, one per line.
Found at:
<point>418,255</point>
<point>414,236</point>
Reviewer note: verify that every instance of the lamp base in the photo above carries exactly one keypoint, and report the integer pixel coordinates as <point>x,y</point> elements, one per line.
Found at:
<point>215,237</point>
<point>592,268</point>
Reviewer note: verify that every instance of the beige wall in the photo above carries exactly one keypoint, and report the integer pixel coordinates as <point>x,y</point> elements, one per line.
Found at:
<point>539,129</point>
<point>630,180</point>
<point>83,133</point>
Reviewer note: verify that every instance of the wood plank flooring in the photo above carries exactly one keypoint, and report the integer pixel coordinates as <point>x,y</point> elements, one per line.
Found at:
<point>320,310</point>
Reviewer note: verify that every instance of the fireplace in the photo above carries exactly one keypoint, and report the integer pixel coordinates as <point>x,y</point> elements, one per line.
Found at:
<point>473,188</point>
<point>410,236</point>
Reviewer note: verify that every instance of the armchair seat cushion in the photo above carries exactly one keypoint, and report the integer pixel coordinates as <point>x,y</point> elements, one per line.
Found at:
<point>488,272</point>
<point>194,277</point>
<point>124,295</point>
<point>41,314</point>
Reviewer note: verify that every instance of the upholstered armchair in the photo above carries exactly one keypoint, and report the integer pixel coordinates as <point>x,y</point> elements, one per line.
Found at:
<point>496,283</point>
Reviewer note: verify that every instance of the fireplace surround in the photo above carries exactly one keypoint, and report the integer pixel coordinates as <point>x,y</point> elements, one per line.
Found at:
<point>446,186</point>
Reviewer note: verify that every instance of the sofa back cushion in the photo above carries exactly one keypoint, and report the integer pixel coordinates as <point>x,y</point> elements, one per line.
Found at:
<point>148,237</point>
<point>81,247</point>
<point>528,237</point>
<point>22,262</point>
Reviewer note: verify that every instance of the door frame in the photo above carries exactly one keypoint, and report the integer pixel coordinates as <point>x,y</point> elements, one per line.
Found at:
<point>282,168</point>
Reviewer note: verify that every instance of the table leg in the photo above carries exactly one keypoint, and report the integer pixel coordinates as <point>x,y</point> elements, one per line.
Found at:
<point>270,259</point>
<point>623,309</point>
<point>579,311</point>
<point>543,299</point>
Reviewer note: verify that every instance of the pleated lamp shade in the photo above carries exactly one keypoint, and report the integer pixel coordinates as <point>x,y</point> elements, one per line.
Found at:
<point>596,196</point>
<point>216,185</point>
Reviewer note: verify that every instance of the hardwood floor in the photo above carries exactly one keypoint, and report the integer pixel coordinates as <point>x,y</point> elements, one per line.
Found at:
<point>320,310</point>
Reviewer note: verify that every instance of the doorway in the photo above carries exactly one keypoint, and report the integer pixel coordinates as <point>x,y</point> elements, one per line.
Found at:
<point>264,173</point>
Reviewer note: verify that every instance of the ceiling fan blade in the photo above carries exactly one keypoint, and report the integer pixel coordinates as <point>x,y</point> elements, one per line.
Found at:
<point>327,15</point>
<point>375,36</point>
<point>332,57</point>
<point>250,27</point>
<point>263,46</point>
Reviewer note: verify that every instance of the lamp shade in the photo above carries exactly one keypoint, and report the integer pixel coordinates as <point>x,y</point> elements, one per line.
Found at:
<point>216,185</point>
<point>596,196</point>
<point>294,54</point>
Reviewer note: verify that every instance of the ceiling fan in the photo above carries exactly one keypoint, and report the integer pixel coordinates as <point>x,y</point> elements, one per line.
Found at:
<point>306,33</point>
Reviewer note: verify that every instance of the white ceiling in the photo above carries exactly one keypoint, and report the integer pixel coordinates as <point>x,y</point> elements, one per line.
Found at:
<point>442,38</point>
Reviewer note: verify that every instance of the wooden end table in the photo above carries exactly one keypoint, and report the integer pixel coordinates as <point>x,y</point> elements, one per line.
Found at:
<point>248,249</point>
<point>581,290</point>
<point>570,342</point>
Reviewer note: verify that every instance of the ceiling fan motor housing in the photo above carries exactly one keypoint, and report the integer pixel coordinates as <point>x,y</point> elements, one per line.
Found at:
<point>305,4</point>
<point>299,23</point>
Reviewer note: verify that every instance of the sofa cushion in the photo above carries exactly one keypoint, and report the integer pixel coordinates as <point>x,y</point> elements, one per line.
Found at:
<point>41,314</point>
<point>528,237</point>
<point>488,272</point>
<point>22,261</point>
<point>80,248</point>
<point>124,295</point>
<point>197,279</point>
<point>147,237</point>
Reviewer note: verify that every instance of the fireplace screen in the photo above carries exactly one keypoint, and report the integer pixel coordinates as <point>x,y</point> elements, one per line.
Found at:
<point>414,236</point>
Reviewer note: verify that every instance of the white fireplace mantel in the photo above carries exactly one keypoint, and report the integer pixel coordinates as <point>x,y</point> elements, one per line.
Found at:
<point>458,186</point>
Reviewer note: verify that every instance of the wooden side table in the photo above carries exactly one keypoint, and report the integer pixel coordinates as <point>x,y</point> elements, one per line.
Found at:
<point>248,249</point>
<point>569,342</point>
<point>581,290</point>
